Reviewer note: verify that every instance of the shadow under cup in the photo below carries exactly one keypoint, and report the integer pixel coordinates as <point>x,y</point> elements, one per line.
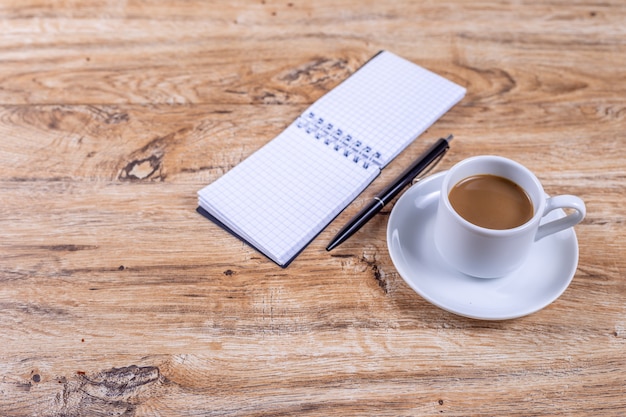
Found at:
<point>491,253</point>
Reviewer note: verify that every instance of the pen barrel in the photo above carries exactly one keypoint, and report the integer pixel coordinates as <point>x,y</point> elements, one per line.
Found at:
<point>362,217</point>
<point>393,189</point>
<point>357,221</point>
<point>386,195</point>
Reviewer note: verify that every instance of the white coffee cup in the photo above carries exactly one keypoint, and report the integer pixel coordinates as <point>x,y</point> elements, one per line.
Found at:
<point>493,253</point>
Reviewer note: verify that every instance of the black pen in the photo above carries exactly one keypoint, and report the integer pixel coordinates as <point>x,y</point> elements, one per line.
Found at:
<point>434,154</point>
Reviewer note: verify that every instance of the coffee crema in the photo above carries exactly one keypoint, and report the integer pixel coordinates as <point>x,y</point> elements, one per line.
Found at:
<point>491,201</point>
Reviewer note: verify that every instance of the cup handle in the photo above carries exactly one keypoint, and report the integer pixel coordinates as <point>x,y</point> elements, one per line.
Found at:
<point>562,201</point>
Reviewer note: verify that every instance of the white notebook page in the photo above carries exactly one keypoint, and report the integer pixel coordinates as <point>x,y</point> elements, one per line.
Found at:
<point>284,194</point>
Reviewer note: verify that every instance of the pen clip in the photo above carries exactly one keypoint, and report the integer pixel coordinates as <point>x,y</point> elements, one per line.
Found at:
<point>427,170</point>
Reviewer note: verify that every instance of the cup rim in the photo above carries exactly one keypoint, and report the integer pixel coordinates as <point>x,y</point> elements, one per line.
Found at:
<point>538,208</point>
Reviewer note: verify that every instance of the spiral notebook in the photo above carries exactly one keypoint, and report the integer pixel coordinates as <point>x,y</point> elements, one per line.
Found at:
<point>283,195</point>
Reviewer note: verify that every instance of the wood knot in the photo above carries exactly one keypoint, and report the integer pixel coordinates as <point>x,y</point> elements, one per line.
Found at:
<point>119,384</point>
<point>317,72</point>
<point>116,391</point>
<point>142,169</point>
<point>116,118</point>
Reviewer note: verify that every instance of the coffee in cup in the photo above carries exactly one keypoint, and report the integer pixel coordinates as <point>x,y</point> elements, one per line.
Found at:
<point>489,214</point>
<point>491,201</point>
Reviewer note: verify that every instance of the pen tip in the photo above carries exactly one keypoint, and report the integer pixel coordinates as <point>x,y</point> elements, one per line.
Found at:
<point>450,137</point>
<point>333,244</point>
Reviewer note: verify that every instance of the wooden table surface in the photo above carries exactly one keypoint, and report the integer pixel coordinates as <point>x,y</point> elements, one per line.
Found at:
<point>117,298</point>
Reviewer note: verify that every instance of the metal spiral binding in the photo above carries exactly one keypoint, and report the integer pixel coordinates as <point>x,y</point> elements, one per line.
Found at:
<point>339,141</point>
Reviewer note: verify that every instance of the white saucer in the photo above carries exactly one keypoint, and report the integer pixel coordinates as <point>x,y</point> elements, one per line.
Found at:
<point>541,280</point>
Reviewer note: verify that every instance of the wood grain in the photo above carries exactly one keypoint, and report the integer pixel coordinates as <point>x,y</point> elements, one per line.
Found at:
<point>117,298</point>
